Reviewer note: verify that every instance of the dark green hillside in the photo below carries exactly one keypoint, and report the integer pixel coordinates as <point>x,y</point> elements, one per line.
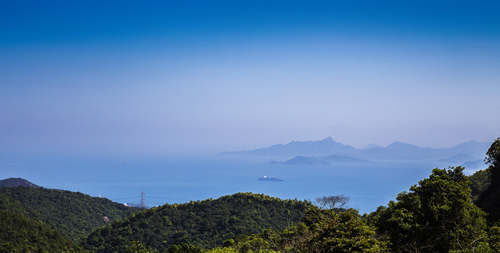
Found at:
<point>8,204</point>
<point>16,182</point>
<point>19,233</point>
<point>320,231</point>
<point>73,214</point>
<point>205,223</point>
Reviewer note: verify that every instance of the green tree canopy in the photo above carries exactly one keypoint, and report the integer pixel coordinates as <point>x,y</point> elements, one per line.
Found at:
<point>72,213</point>
<point>20,233</point>
<point>493,159</point>
<point>206,224</point>
<point>489,200</point>
<point>437,215</point>
<point>320,231</point>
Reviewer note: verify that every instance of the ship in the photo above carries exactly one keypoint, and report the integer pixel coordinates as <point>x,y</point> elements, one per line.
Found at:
<point>272,179</point>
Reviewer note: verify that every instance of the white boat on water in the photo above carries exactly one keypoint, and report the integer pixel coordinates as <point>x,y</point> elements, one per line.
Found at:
<point>273,179</point>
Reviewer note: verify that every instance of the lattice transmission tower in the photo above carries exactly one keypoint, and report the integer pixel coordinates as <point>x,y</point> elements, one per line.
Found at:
<point>143,202</point>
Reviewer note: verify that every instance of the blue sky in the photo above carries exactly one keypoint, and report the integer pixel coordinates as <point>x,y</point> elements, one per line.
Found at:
<point>176,77</point>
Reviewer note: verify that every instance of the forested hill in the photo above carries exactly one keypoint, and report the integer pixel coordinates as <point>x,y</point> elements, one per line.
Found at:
<point>16,182</point>
<point>71,213</point>
<point>20,233</point>
<point>205,223</point>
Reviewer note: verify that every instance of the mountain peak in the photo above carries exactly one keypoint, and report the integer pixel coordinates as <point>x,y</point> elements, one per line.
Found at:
<point>326,146</point>
<point>327,139</point>
<point>16,182</point>
<point>324,140</point>
<point>399,144</point>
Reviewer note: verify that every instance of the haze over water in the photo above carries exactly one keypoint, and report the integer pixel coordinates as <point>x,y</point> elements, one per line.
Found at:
<point>368,184</point>
<point>182,181</point>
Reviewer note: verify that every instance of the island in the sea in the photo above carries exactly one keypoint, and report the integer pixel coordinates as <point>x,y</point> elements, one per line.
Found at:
<point>272,179</point>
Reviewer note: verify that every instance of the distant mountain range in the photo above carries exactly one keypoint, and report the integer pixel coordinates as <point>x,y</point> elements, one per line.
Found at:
<point>328,151</point>
<point>326,146</point>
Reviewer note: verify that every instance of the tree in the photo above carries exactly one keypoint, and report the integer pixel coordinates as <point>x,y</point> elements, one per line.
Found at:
<point>437,215</point>
<point>332,202</point>
<point>480,181</point>
<point>184,248</point>
<point>493,159</point>
<point>489,200</point>
<point>138,247</point>
<point>320,231</point>
<point>494,240</point>
<point>343,232</point>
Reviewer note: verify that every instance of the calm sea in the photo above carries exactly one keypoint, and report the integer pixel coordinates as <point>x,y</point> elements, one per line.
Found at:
<point>168,180</point>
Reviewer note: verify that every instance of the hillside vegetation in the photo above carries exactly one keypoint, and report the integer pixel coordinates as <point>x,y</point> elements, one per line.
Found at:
<point>207,223</point>
<point>16,182</point>
<point>20,233</point>
<point>71,213</point>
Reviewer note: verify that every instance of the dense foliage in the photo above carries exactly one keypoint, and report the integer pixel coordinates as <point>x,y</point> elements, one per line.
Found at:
<point>73,214</point>
<point>437,215</point>
<point>489,200</point>
<point>16,182</point>
<point>205,223</point>
<point>493,159</point>
<point>319,231</point>
<point>19,233</point>
<point>480,181</point>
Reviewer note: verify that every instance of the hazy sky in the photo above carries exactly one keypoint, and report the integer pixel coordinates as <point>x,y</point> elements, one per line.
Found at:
<point>210,76</point>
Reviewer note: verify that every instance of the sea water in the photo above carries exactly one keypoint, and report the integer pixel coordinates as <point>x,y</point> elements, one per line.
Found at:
<point>179,180</point>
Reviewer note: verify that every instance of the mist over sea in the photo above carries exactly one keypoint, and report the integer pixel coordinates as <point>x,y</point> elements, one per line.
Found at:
<point>178,180</point>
